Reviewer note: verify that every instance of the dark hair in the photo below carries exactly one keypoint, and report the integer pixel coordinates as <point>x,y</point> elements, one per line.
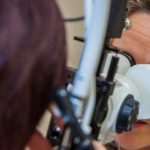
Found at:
<point>138,5</point>
<point>32,63</point>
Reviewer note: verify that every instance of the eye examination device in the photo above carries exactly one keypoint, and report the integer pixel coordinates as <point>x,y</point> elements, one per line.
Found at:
<point>129,100</point>
<point>107,93</point>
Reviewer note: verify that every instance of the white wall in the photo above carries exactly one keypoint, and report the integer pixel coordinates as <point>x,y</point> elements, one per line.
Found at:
<point>71,9</point>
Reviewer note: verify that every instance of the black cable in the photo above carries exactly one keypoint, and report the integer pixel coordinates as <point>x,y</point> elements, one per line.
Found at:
<point>74,19</point>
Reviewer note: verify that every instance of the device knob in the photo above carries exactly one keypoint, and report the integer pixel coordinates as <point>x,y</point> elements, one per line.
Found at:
<point>128,114</point>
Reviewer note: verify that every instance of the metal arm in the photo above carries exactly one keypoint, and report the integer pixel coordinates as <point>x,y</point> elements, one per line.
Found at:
<point>96,41</point>
<point>91,54</point>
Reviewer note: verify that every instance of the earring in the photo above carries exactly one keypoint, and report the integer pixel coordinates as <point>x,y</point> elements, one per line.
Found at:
<point>128,24</point>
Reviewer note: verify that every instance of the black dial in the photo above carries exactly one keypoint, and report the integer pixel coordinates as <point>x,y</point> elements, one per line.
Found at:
<point>128,113</point>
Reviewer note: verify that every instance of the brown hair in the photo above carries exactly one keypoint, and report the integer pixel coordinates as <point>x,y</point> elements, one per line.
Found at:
<point>138,5</point>
<point>32,63</point>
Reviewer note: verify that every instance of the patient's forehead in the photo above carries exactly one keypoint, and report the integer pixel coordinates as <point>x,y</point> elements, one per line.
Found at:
<point>136,40</point>
<point>141,23</point>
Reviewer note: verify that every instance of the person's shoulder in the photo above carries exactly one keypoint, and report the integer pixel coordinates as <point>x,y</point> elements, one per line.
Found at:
<point>38,142</point>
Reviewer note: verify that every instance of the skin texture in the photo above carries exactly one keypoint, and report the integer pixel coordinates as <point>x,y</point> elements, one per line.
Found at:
<point>136,41</point>
<point>137,139</point>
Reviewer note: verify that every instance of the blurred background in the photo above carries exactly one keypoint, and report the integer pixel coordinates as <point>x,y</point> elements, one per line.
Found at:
<point>73,9</point>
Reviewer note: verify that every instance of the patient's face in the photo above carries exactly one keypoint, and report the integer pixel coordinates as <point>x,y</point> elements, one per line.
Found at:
<point>136,41</point>
<point>137,139</point>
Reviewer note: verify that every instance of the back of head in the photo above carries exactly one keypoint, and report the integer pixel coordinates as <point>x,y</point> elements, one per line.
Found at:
<point>32,62</point>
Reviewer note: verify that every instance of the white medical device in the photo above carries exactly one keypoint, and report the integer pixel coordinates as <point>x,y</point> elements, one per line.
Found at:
<point>105,101</point>
<point>100,113</point>
<point>130,84</point>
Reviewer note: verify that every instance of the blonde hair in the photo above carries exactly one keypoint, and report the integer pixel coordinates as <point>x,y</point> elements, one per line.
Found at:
<point>138,5</point>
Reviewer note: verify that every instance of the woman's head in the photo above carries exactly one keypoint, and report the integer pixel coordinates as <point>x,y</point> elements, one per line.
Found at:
<point>32,63</point>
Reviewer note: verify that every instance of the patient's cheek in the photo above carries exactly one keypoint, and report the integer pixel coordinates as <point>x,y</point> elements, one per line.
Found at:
<point>125,141</point>
<point>136,139</point>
